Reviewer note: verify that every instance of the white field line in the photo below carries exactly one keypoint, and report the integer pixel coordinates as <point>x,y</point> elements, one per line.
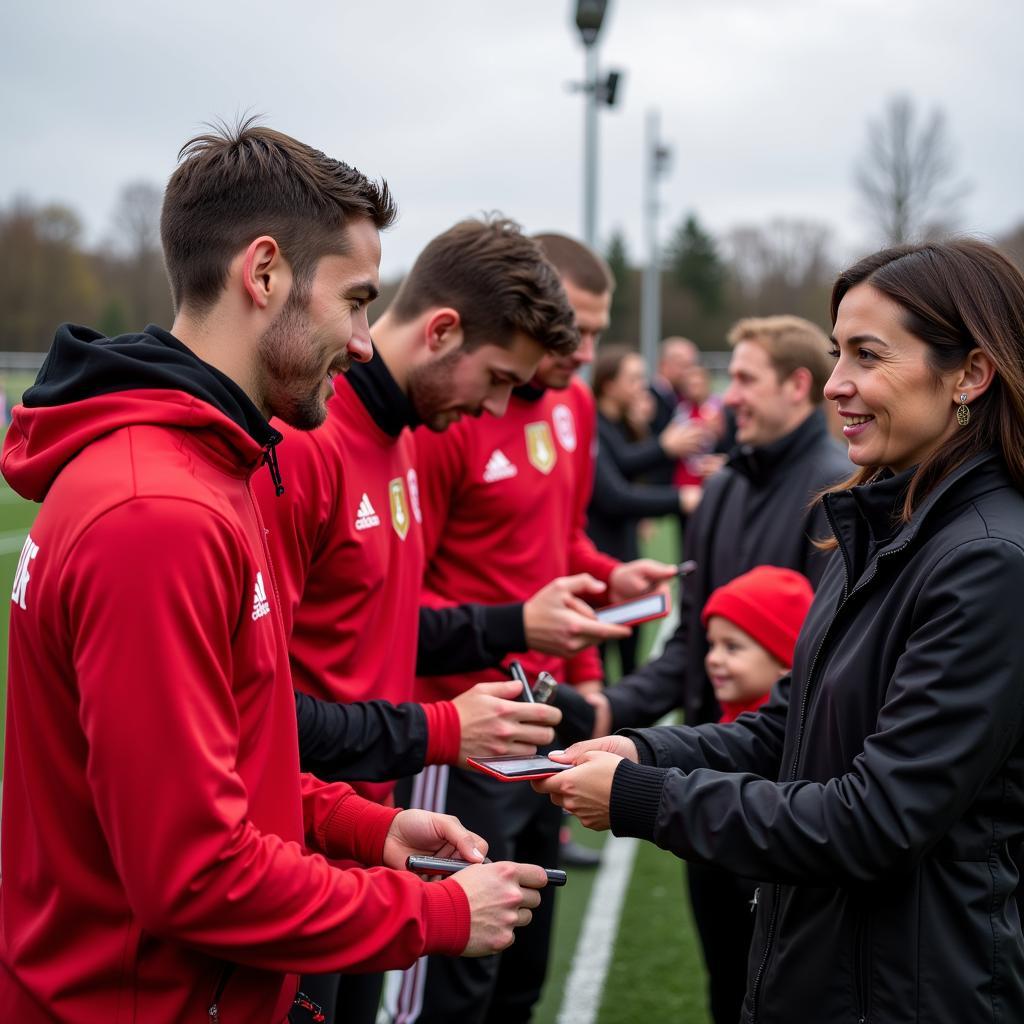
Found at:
<point>585,984</point>
<point>12,540</point>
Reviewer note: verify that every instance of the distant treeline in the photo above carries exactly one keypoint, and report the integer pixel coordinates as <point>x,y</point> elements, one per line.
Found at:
<point>49,275</point>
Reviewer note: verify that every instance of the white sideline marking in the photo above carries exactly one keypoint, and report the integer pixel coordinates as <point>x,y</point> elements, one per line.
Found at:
<point>585,985</point>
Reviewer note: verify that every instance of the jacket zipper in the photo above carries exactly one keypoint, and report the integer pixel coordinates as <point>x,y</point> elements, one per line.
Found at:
<point>214,1008</point>
<point>755,990</point>
<point>860,967</point>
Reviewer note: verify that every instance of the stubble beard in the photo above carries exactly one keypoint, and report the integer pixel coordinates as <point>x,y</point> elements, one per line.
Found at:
<point>430,391</point>
<point>291,367</point>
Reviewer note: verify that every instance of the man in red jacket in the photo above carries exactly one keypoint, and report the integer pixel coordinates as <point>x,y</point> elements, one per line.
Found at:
<point>473,317</point>
<point>504,508</point>
<point>163,859</point>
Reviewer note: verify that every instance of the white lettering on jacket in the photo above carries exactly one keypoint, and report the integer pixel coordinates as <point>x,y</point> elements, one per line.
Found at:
<point>22,575</point>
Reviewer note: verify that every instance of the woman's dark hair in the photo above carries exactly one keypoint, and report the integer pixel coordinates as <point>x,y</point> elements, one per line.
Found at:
<point>956,296</point>
<point>607,366</point>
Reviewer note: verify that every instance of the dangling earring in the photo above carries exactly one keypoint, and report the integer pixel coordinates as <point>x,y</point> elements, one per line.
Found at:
<point>963,411</point>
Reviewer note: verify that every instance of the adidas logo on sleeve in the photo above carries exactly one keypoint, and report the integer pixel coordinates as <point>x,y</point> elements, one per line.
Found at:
<point>260,604</point>
<point>366,517</point>
<point>499,467</point>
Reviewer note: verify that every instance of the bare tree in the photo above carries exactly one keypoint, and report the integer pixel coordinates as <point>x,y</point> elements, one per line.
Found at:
<point>906,177</point>
<point>135,263</point>
<point>137,219</point>
<point>784,266</point>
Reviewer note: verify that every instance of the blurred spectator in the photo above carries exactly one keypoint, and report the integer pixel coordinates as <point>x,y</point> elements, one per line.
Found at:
<point>618,502</point>
<point>676,357</point>
<point>704,408</point>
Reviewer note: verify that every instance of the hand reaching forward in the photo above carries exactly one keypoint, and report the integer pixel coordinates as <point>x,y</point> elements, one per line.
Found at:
<point>586,789</point>
<point>495,723</point>
<point>641,576</point>
<point>558,621</point>
<point>501,898</point>
<point>434,835</point>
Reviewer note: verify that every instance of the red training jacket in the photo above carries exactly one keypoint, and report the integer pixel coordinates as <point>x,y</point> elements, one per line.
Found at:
<point>155,828</point>
<point>505,510</point>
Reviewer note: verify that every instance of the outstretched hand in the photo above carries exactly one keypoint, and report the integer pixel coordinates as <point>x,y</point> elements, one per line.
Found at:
<point>416,832</point>
<point>641,576</point>
<point>558,620</point>
<point>586,789</point>
<point>494,722</point>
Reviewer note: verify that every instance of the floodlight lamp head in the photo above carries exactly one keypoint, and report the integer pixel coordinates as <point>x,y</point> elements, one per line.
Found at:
<point>589,16</point>
<point>611,87</point>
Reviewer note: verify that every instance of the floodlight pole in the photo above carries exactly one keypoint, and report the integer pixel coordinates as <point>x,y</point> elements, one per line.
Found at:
<point>656,157</point>
<point>589,19</point>
<point>590,147</point>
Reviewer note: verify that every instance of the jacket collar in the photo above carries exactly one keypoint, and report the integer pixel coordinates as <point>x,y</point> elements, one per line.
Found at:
<point>530,392</point>
<point>388,405</point>
<point>760,464</point>
<point>878,504</point>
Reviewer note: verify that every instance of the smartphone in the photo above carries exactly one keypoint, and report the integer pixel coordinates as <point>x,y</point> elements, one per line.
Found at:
<point>449,865</point>
<point>522,766</point>
<point>631,613</point>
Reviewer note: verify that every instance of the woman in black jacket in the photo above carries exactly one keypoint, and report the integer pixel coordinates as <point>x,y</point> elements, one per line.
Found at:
<point>880,795</point>
<point>618,500</point>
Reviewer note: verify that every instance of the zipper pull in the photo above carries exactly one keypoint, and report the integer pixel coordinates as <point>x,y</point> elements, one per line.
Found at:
<point>754,899</point>
<point>214,1013</point>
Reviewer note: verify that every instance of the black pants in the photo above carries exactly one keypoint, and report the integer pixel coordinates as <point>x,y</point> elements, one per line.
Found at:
<point>725,922</point>
<point>519,825</point>
<point>344,998</point>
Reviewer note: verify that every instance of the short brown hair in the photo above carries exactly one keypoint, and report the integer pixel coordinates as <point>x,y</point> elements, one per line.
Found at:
<point>499,282</point>
<point>791,343</point>
<point>580,265</point>
<point>235,184</point>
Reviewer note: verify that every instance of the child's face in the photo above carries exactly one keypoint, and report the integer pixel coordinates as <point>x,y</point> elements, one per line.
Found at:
<point>740,669</point>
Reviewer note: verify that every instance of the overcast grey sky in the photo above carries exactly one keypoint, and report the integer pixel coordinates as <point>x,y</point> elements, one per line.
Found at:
<point>462,104</point>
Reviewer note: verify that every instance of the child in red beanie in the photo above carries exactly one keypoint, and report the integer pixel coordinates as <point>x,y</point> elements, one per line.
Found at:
<point>752,624</point>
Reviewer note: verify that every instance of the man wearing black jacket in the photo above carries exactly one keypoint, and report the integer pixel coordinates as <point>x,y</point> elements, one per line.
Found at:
<point>755,511</point>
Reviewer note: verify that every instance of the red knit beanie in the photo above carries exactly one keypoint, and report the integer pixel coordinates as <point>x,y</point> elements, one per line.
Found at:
<point>768,603</point>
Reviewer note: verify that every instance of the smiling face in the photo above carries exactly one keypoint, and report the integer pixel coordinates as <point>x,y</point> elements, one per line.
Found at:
<point>765,407</point>
<point>896,409</point>
<point>739,668</point>
<point>593,314</point>
<point>471,383</point>
<point>320,330</point>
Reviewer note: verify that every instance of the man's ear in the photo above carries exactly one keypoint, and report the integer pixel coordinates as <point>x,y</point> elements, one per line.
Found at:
<point>975,377</point>
<point>798,383</point>
<point>266,275</point>
<point>443,330</point>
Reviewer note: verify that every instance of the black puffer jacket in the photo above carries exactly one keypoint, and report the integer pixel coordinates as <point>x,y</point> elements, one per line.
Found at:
<point>899,749</point>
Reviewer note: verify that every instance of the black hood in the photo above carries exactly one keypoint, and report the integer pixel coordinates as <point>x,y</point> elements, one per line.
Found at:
<point>82,364</point>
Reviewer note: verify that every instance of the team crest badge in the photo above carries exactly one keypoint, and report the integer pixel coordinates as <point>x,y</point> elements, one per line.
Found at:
<point>540,447</point>
<point>399,507</point>
<point>565,427</point>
